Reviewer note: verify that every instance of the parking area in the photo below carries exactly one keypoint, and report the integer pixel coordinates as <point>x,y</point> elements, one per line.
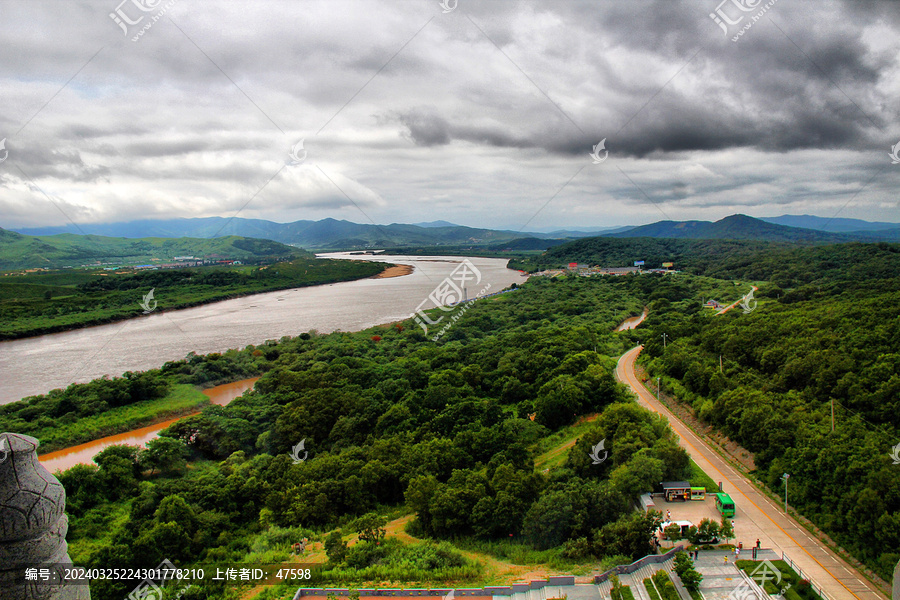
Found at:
<point>695,511</point>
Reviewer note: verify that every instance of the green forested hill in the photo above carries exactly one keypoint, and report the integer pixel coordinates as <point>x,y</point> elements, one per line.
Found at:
<point>734,227</point>
<point>695,256</point>
<point>783,264</point>
<point>19,251</point>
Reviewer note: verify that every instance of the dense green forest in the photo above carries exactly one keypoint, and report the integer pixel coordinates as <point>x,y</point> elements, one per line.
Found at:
<point>694,256</point>
<point>394,422</point>
<point>49,301</point>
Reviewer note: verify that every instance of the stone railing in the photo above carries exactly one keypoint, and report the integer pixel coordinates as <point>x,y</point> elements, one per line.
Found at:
<point>501,590</point>
<point>647,560</point>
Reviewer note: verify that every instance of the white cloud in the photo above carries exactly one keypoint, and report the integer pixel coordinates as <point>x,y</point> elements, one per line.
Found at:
<point>452,127</point>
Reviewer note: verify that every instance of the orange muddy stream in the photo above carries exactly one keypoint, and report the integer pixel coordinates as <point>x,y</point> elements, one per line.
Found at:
<point>632,322</point>
<point>84,453</point>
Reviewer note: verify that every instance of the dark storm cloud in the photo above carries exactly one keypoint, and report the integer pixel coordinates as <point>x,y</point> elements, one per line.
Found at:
<point>414,113</point>
<point>426,129</point>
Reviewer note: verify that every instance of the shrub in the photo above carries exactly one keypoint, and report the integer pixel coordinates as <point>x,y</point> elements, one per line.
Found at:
<point>682,563</point>
<point>335,547</point>
<point>651,591</point>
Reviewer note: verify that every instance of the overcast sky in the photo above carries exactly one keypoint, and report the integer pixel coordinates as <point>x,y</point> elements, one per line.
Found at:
<point>484,114</point>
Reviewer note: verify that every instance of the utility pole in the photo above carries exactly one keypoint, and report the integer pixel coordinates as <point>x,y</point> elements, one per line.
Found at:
<point>720,363</point>
<point>663,336</point>
<point>832,415</point>
<point>785,477</point>
<point>657,389</point>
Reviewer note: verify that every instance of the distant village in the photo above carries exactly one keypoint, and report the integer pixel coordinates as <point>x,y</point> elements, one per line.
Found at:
<point>589,271</point>
<point>179,262</point>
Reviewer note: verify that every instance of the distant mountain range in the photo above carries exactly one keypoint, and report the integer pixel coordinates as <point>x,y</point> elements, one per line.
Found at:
<point>327,234</point>
<point>742,227</point>
<point>320,235</point>
<point>332,234</point>
<point>735,227</point>
<point>833,225</point>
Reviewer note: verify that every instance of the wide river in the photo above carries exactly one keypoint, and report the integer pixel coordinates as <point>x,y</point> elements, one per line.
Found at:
<point>39,364</point>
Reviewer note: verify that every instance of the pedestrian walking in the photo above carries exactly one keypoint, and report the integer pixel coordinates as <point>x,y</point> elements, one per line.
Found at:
<point>740,545</point>
<point>757,542</point>
<point>737,553</point>
<point>668,516</point>
<point>726,559</point>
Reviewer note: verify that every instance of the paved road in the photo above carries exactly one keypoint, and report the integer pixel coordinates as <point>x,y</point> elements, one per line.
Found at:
<point>756,516</point>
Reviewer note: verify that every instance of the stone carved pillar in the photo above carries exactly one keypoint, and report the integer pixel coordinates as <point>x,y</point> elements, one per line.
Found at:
<point>33,523</point>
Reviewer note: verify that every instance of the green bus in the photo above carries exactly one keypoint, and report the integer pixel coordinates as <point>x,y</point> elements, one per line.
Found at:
<point>725,505</point>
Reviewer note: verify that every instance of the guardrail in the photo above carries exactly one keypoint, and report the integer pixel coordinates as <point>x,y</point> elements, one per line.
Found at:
<point>816,588</point>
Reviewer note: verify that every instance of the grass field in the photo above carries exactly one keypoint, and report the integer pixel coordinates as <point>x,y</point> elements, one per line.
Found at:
<point>554,448</point>
<point>699,478</point>
<point>183,399</point>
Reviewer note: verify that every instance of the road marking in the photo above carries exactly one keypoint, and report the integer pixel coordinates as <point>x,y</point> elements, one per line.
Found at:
<point>631,380</point>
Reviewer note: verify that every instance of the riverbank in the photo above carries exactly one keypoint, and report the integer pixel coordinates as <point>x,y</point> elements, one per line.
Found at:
<point>395,271</point>
<point>181,401</point>
<point>56,455</point>
<point>53,302</point>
